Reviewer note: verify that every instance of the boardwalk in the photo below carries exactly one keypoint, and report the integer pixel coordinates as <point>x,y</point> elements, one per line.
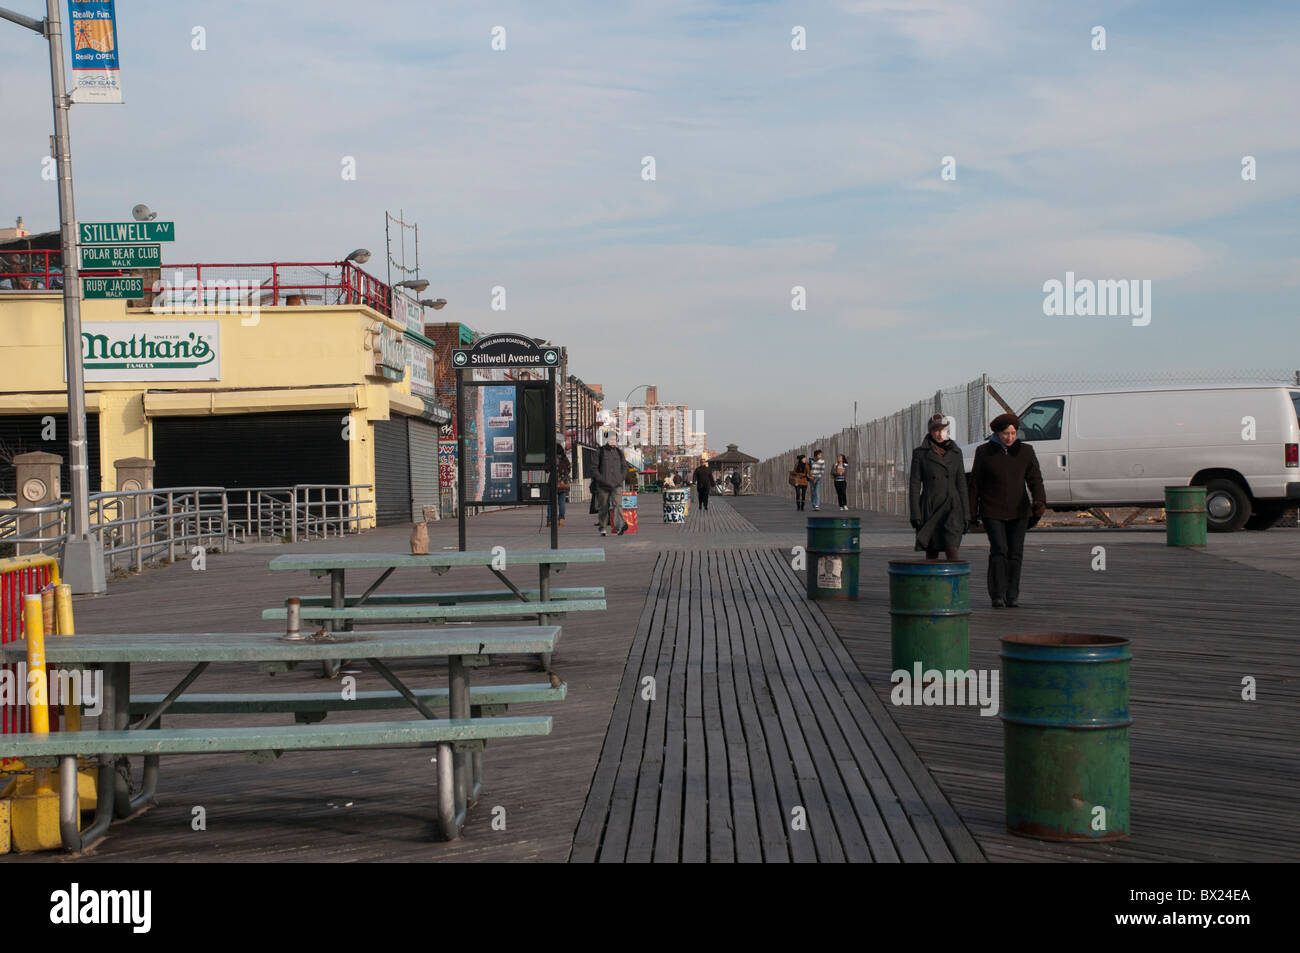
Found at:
<point>763,703</point>
<point>1214,777</point>
<point>759,721</point>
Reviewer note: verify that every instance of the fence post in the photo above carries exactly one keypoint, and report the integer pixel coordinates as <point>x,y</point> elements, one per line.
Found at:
<point>171,529</point>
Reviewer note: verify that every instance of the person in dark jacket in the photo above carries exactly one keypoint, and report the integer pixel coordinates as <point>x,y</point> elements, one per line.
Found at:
<point>799,480</point>
<point>1003,468</point>
<point>937,492</point>
<point>704,482</point>
<point>607,486</point>
<point>563,472</point>
<point>736,480</point>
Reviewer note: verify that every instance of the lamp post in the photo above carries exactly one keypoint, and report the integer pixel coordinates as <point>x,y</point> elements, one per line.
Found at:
<point>627,412</point>
<point>83,556</point>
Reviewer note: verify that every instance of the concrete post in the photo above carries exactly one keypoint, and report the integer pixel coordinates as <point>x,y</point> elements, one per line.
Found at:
<point>134,473</point>
<point>38,481</point>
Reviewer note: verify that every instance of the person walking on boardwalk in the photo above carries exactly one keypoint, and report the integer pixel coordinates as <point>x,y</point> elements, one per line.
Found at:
<point>937,493</point>
<point>736,481</point>
<point>799,480</point>
<point>1004,467</point>
<point>607,486</point>
<point>816,470</point>
<point>704,482</point>
<point>840,473</point>
<point>563,472</point>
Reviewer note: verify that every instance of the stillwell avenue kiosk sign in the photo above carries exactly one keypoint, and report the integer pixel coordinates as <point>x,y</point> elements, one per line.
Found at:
<point>507,428</point>
<point>505,350</point>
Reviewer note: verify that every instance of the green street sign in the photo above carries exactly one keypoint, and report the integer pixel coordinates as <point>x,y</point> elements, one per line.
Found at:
<point>125,233</point>
<point>121,256</point>
<point>112,287</point>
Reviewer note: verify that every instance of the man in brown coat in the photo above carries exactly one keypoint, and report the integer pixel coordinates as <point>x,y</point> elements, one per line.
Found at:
<point>1002,470</point>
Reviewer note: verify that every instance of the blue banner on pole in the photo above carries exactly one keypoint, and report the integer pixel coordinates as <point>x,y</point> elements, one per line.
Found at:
<point>92,29</point>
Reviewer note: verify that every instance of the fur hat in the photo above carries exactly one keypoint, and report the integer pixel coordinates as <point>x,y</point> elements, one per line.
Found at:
<point>1003,421</point>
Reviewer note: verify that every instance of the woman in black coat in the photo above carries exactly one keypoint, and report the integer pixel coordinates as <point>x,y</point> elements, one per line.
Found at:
<point>1007,495</point>
<point>937,492</point>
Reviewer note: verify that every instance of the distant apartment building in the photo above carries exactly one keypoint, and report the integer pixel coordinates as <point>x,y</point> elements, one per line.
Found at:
<point>663,431</point>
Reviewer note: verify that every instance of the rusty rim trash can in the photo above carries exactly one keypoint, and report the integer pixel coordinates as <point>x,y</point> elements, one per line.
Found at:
<point>834,547</point>
<point>1065,732</point>
<point>1185,516</point>
<point>929,614</point>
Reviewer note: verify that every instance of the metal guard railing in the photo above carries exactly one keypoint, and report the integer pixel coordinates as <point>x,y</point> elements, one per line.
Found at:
<point>140,526</point>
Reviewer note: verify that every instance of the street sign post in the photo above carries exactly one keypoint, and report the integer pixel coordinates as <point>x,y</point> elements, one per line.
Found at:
<point>121,256</point>
<point>124,287</point>
<point>125,233</point>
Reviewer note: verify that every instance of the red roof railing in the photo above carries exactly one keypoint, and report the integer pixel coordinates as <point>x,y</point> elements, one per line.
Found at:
<point>261,283</point>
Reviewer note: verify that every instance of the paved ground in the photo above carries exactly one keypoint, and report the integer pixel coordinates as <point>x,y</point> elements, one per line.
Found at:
<point>1213,776</point>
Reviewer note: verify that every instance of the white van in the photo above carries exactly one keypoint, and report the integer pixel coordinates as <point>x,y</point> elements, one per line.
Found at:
<point>1123,447</point>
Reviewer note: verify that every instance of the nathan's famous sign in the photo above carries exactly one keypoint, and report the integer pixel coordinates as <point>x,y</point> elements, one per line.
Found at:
<point>151,350</point>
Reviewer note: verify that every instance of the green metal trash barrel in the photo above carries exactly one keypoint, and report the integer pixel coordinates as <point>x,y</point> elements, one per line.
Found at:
<point>834,545</point>
<point>1065,724</point>
<point>929,614</point>
<point>1185,515</point>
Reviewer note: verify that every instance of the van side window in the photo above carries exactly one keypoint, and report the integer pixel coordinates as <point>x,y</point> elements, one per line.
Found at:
<point>1295,399</point>
<point>1042,420</point>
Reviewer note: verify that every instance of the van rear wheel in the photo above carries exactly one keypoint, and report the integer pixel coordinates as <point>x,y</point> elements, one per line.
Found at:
<point>1266,516</point>
<point>1226,506</point>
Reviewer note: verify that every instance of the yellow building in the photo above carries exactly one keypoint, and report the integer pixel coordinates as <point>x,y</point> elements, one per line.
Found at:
<point>281,396</point>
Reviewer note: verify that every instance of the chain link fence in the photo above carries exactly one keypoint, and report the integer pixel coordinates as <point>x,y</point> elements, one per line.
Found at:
<point>880,451</point>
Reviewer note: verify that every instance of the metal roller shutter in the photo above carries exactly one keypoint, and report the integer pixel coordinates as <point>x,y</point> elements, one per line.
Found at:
<point>21,433</point>
<point>392,472</point>
<point>247,450</point>
<point>423,440</point>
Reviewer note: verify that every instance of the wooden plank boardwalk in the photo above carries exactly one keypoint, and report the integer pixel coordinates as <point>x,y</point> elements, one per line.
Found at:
<point>758,719</point>
<point>764,702</point>
<point>720,517</point>
<point>1214,777</point>
<point>368,805</point>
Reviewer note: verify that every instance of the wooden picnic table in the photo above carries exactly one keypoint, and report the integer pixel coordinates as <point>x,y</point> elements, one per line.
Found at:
<point>498,561</point>
<point>458,771</point>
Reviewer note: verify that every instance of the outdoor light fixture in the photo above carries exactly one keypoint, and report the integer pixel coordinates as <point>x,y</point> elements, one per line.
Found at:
<point>143,213</point>
<point>437,304</point>
<point>414,284</point>
<point>360,256</point>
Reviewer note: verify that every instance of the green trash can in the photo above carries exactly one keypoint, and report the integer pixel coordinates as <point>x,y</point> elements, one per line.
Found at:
<point>929,614</point>
<point>834,546</point>
<point>1185,515</point>
<point>1065,723</point>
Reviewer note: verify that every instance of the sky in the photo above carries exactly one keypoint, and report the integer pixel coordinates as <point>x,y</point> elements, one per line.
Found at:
<point>774,168</point>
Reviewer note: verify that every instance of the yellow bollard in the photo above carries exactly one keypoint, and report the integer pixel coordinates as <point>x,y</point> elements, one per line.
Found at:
<point>35,816</point>
<point>88,777</point>
<point>34,633</point>
<point>63,608</point>
<point>48,627</point>
<point>63,625</point>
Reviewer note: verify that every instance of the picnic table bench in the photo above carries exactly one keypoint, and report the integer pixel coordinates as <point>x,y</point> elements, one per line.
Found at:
<point>541,602</point>
<point>459,738</point>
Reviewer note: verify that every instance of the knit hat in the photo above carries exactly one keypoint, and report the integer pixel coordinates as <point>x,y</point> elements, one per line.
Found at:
<point>1003,421</point>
